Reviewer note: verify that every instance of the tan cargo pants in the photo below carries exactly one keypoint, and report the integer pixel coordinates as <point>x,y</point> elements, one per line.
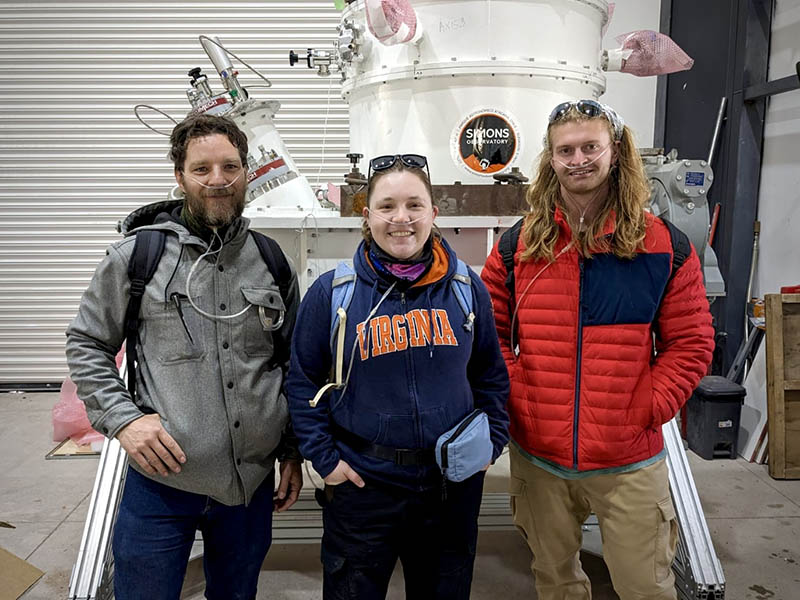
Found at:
<point>637,524</point>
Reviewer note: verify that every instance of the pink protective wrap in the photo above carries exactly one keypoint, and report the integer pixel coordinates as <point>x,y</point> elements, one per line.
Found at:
<point>653,53</point>
<point>611,6</point>
<point>69,413</point>
<point>391,21</point>
<point>69,417</point>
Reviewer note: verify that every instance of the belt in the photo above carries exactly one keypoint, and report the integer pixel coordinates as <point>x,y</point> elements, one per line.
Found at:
<point>399,456</point>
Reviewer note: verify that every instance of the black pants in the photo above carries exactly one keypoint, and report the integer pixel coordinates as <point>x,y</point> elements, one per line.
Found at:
<point>367,529</point>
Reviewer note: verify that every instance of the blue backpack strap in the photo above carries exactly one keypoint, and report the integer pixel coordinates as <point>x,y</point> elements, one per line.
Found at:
<point>147,251</point>
<point>461,283</point>
<point>343,286</point>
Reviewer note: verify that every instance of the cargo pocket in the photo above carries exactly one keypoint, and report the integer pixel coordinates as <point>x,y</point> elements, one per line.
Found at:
<point>336,574</point>
<point>266,313</point>
<point>666,538</point>
<point>519,506</point>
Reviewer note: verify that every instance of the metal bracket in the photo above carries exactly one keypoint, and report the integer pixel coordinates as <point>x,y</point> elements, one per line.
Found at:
<point>770,88</point>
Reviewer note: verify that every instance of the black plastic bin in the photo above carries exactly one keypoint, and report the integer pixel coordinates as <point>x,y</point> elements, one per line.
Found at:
<point>713,417</point>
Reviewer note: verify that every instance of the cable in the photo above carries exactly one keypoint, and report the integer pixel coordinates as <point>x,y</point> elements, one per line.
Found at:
<point>325,129</point>
<point>366,343</point>
<point>189,279</point>
<point>153,108</point>
<point>527,287</point>
<point>205,37</point>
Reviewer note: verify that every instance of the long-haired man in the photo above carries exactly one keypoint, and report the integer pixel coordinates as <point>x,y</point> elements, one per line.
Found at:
<point>603,343</point>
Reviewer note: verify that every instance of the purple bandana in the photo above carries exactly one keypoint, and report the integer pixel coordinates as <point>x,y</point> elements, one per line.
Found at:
<point>407,272</point>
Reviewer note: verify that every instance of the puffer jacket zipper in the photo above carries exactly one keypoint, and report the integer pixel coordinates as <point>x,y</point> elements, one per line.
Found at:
<point>576,420</point>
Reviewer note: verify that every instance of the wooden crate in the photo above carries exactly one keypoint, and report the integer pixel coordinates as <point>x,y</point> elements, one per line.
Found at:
<point>783,384</point>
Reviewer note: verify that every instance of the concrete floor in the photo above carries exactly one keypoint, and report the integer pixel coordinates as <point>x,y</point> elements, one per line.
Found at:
<point>754,522</point>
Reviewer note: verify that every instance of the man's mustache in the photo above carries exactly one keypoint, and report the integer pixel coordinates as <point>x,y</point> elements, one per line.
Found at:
<point>217,192</point>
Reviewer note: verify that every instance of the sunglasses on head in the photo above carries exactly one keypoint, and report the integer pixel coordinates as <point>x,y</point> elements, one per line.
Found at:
<point>591,109</point>
<point>412,161</point>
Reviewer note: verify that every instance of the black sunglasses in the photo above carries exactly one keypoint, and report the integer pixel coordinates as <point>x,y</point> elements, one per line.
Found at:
<point>387,161</point>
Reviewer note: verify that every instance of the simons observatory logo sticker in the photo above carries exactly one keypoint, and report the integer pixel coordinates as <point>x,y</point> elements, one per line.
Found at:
<point>485,142</point>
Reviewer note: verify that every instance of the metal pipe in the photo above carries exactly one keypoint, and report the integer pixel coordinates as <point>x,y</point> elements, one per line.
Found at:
<point>717,127</point>
<point>753,262</point>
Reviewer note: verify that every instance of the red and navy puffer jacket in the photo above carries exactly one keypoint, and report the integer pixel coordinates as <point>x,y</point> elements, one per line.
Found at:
<point>587,389</point>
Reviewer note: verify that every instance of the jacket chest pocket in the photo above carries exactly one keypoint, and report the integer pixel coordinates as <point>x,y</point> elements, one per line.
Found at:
<point>174,330</point>
<point>263,318</point>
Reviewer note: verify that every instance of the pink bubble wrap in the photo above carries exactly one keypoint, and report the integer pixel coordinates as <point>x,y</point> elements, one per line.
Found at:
<point>69,414</point>
<point>652,53</point>
<point>611,6</point>
<point>391,21</point>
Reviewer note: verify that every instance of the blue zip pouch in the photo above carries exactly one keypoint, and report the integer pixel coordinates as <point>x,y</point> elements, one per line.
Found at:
<point>466,448</point>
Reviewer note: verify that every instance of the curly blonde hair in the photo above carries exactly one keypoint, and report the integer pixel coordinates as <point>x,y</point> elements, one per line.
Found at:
<point>628,195</point>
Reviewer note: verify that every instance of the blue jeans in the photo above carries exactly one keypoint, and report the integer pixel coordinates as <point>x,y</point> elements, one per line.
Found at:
<point>367,529</point>
<point>155,530</point>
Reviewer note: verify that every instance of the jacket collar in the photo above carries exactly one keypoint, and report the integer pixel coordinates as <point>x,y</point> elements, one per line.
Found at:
<point>444,265</point>
<point>159,215</point>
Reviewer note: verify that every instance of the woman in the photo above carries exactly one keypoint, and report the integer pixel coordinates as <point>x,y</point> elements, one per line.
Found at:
<point>414,365</point>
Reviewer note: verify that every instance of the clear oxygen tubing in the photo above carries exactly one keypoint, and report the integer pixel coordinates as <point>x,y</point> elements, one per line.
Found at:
<point>368,330</point>
<point>217,187</point>
<point>191,273</point>
<point>391,222</point>
<point>597,195</point>
<point>585,164</point>
<point>525,291</point>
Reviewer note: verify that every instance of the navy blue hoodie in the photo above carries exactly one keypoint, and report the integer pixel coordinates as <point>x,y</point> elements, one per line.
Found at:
<point>417,371</point>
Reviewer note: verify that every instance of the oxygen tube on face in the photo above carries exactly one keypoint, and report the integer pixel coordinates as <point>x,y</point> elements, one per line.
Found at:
<point>217,187</point>
<point>391,222</point>
<point>583,165</point>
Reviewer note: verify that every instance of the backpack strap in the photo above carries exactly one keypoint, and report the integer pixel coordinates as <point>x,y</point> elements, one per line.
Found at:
<point>342,288</point>
<point>461,283</point>
<point>147,251</point>
<point>681,247</point>
<point>507,248</point>
<point>276,262</point>
<point>281,272</point>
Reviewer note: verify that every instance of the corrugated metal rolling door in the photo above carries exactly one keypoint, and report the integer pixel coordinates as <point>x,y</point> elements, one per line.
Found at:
<point>74,159</point>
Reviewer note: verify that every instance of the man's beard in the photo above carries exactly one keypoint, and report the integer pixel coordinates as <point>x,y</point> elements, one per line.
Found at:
<point>215,207</point>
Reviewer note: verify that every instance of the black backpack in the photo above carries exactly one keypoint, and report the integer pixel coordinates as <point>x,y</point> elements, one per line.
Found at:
<point>147,251</point>
<point>507,248</point>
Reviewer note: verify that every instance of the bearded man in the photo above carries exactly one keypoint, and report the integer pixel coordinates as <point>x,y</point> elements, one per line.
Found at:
<point>605,337</point>
<point>206,418</point>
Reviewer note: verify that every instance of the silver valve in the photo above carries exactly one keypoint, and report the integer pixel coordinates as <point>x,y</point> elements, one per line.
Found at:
<point>315,59</point>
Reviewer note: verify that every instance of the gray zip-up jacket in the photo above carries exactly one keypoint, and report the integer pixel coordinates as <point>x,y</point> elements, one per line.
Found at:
<point>209,380</point>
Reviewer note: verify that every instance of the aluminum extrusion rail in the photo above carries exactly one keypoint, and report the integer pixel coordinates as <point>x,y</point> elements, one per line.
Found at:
<point>698,572</point>
<point>91,577</point>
